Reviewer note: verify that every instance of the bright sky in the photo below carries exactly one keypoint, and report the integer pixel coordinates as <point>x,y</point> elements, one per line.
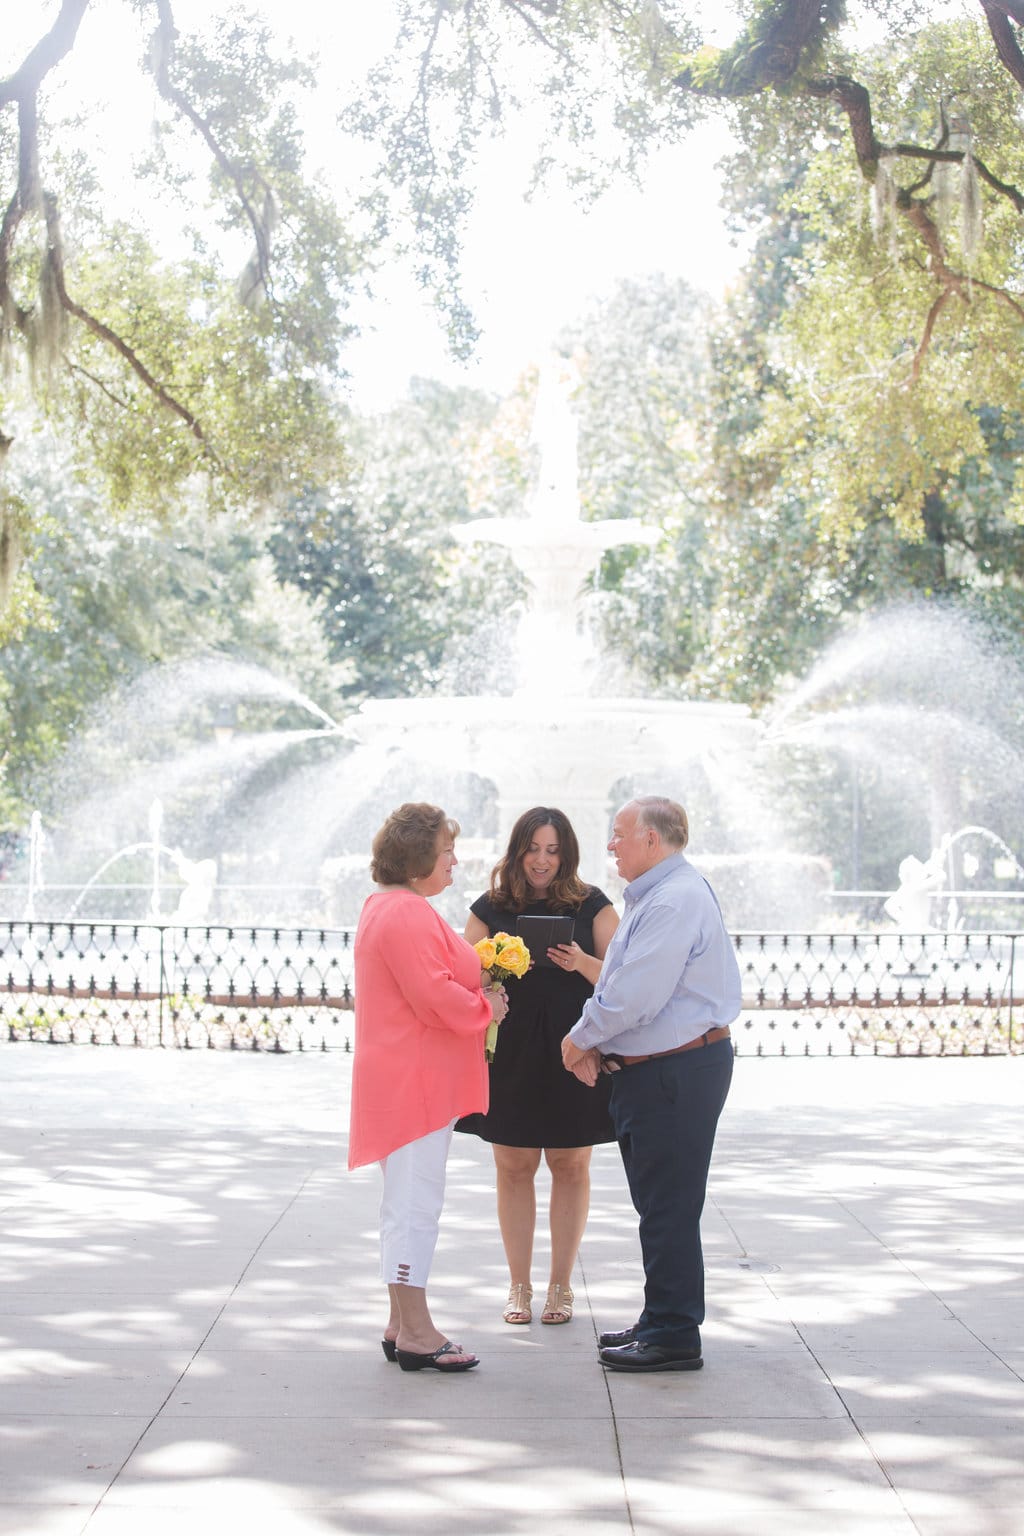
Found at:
<point>528,267</point>
<point>531,267</point>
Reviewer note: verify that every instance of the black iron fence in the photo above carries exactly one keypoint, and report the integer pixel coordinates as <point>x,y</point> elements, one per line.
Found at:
<point>291,989</point>
<point>881,993</point>
<point>149,984</point>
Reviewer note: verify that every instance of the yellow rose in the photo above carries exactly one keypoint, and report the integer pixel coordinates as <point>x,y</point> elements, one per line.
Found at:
<point>513,954</point>
<point>487,952</point>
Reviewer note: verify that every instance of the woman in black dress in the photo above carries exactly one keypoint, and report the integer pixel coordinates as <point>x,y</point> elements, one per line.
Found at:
<point>536,1105</point>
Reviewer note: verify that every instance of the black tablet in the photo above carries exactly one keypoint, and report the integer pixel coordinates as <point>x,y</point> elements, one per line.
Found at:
<point>540,934</point>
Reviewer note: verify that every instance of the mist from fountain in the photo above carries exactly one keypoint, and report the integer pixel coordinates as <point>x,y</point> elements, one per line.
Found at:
<point>211,790</point>
<point>197,877</point>
<point>927,705</point>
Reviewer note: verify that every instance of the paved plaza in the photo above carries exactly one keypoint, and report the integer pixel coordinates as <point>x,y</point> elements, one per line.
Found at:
<point>190,1316</point>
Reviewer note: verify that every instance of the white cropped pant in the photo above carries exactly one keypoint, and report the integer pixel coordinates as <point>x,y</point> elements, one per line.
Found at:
<point>410,1207</point>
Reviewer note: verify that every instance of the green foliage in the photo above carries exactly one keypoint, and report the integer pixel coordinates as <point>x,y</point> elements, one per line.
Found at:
<point>404,607</point>
<point>261,429</point>
<point>810,425</point>
<point>180,368</point>
<point>780,42</point>
<point>894,337</point>
<point>110,601</point>
<point>643,357</point>
<point>882,361</point>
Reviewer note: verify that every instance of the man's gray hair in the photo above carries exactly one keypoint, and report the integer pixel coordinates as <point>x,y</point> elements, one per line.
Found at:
<point>666,817</point>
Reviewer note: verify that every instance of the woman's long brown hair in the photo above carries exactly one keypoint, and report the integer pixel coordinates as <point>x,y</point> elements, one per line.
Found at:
<point>509,887</point>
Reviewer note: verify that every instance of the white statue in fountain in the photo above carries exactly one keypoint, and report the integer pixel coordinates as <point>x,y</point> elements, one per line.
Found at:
<point>199,880</point>
<point>910,907</point>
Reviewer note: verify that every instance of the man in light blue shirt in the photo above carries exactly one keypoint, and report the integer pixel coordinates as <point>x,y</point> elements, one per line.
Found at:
<point>659,1019</point>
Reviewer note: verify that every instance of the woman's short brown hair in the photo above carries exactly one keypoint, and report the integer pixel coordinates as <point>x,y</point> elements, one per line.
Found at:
<point>406,846</point>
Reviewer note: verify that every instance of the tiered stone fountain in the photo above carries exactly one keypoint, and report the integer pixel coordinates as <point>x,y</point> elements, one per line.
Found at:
<point>559,739</point>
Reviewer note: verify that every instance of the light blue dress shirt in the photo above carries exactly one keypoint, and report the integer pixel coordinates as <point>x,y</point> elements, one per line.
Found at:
<point>670,972</point>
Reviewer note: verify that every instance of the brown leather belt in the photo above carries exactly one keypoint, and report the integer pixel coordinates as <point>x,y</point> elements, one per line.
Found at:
<point>613,1061</point>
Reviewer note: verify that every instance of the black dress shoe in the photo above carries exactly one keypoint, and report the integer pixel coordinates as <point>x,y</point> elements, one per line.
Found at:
<point>639,1356</point>
<point>612,1340</point>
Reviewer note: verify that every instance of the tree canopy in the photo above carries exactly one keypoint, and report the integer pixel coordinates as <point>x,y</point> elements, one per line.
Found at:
<point>898,147</point>
<point>185,371</point>
<point>901,147</point>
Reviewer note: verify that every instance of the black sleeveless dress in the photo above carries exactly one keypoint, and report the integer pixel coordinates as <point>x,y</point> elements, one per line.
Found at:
<point>535,1102</point>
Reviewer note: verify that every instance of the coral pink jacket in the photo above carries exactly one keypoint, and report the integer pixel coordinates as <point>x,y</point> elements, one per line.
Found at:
<point>419,1027</point>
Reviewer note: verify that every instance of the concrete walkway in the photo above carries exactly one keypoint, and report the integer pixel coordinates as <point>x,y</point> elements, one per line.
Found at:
<point>190,1314</point>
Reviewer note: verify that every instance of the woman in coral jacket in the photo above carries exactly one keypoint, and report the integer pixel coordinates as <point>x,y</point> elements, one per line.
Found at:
<point>420,1019</point>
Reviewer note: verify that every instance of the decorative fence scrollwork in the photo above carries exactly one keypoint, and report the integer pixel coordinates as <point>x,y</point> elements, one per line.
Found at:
<point>888,993</point>
<point>270,989</point>
<point>277,989</point>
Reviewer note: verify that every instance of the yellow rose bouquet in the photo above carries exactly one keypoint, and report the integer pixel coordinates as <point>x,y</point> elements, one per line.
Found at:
<point>503,957</point>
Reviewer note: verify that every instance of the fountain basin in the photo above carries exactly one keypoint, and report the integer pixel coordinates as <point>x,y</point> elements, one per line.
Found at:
<point>571,752</point>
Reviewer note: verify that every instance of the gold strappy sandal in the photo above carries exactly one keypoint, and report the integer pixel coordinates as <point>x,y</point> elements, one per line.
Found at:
<point>558,1307</point>
<point>517,1308</point>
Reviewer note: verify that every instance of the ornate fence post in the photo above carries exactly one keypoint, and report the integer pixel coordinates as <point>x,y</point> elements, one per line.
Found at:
<point>1009,1020</point>
<point>161,986</point>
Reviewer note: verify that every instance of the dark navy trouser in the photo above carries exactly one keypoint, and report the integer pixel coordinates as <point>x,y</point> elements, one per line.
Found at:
<point>665,1113</point>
